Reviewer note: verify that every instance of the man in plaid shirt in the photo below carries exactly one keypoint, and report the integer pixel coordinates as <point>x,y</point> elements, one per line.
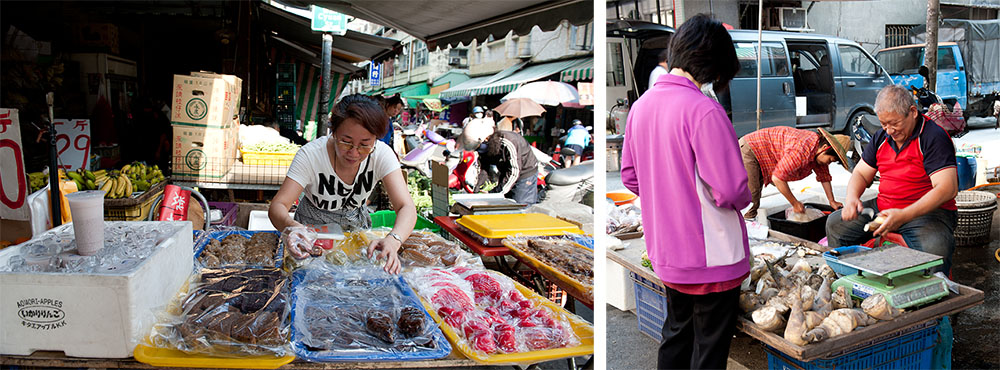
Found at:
<point>782,154</point>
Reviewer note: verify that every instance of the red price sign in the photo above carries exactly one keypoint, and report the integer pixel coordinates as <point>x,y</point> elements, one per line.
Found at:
<point>13,181</point>
<point>73,143</point>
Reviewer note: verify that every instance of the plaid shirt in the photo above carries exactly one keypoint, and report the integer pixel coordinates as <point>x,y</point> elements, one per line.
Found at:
<point>787,153</point>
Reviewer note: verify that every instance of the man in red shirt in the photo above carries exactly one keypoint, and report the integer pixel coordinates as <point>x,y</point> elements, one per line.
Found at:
<point>919,181</point>
<point>782,154</point>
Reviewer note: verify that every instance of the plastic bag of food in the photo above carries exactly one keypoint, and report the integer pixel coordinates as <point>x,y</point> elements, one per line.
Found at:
<point>220,249</point>
<point>228,313</point>
<point>559,258</point>
<point>490,314</point>
<point>624,219</point>
<point>360,313</point>
<point>807,216</point>
<point>427,249</point>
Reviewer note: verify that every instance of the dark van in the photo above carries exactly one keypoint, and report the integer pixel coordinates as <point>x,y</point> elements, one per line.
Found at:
<point>807,81</point>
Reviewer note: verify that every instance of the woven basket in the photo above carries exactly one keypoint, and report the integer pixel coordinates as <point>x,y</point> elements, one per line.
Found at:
<point>975,217</point>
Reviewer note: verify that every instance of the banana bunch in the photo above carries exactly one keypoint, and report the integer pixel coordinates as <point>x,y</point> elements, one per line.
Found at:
<point>85,180</point>
<point>117,185</point>
<point>143,176</point>
<point>37,180</point>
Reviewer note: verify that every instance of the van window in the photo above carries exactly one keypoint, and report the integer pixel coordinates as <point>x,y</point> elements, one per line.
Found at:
<point>773,59</point>
<point>854,61</point>
<point>616,69</point>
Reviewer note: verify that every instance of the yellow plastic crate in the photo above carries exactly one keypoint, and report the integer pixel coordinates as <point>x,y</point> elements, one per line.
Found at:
<point>583,330</point>
<point>137,212</point>
<point>162,357</point>
<point>494,228</point>
<point>552,273</point>
<point>267,159</point>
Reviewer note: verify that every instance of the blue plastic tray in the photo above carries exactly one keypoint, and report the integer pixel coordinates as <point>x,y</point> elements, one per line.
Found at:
<point>219,235</point>
<point>586,241</point>
<point>834,261</point>
<point>443,347</point>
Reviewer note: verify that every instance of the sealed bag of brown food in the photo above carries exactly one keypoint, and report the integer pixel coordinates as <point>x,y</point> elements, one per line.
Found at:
<point>232,312</point>
<point>359,313</point>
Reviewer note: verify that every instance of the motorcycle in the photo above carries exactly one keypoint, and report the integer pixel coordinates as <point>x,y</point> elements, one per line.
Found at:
<point>555,183</point>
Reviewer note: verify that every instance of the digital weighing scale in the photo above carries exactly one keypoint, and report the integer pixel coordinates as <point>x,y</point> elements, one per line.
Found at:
<point>901,274</point>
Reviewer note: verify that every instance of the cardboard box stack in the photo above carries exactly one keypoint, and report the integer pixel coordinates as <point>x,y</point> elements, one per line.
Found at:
<point>205,124</point>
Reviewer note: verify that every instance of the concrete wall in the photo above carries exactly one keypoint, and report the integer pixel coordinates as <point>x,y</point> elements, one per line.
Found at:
<point>864,21</point>
<point>494,56</point>
<point>724,11</point>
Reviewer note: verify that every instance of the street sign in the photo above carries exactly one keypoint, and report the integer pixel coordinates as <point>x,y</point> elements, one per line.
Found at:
<point>325,20</point>
<point>374,74</point>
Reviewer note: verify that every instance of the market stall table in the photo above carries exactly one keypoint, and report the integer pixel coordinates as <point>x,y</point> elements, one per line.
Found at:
<point>57,359</point>
<point>967,298</point>
<point>631,257</point>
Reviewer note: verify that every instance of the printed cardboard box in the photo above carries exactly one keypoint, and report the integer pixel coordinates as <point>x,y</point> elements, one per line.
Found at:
<point>201,102</point>
<point>202,153</point>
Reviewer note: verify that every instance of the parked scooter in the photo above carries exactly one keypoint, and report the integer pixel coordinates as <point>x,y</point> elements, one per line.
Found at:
<point>569,184</point>
<point>430,146</point>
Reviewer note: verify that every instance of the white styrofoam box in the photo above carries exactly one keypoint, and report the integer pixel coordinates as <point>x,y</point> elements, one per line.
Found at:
<point>91,315</point>
<point>259,221</point>
<point>619,288</point>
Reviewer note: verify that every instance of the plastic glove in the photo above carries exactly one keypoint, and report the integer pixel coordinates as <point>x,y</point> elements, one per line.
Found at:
<point>388,248</point>
<point>299,242</point>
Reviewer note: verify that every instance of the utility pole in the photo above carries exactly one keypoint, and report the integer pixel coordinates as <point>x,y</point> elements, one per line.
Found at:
<point>930,51</point>
<point>325,85</point>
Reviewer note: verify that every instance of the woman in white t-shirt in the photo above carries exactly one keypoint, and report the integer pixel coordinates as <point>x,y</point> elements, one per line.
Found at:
<point>337,173</point>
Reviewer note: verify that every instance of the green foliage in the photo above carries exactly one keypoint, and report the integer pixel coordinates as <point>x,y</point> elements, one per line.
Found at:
<point>420,190</point>
<point>272,147</point>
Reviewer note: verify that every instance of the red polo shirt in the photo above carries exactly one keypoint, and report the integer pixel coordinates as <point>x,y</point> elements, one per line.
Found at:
<point>906,171</point>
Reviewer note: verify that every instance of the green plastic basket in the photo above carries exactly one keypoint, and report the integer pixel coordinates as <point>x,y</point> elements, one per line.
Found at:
<point>388,219</point>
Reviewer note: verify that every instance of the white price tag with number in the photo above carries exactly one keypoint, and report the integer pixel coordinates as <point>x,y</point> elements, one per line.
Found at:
<point>73,143</point>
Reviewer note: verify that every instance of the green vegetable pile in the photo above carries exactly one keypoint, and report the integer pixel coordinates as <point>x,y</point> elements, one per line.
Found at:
<point>420,191</point>
<point>271,147</point>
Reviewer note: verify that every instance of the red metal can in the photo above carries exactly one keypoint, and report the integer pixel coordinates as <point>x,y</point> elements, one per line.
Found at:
<point>175,203</point>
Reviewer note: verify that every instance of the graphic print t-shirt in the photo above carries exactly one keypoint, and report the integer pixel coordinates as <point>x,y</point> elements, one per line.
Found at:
<point>312,169</point>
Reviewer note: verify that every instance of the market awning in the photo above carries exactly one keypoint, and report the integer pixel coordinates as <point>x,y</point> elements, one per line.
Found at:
<point>528,74</point>
<point>353,47</point>
<point>408,91</point>
<point>444,22</point>
<point>466,88</point>
<point>582,71</point>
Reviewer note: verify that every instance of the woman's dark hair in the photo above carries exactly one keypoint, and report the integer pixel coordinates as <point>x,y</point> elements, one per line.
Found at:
<point>703,48</point>
<point>363,109</point>
<point>393,101</point>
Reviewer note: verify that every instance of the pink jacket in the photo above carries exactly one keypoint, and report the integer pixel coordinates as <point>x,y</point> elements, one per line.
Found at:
<point>681,157</point>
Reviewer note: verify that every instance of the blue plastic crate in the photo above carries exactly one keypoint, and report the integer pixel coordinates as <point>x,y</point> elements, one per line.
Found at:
<point>650,306</point>
<point>906,350</point>
<point>201,241</point>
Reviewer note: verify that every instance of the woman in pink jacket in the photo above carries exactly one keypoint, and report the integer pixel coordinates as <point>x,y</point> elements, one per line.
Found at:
<point>681,157</point>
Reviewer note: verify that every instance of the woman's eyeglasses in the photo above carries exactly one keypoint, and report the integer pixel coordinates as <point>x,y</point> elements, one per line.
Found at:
<point>363,149</point>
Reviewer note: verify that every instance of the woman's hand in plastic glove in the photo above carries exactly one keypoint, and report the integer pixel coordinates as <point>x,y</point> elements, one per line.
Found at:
<point>299,241</point>
<point>389,248</point>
